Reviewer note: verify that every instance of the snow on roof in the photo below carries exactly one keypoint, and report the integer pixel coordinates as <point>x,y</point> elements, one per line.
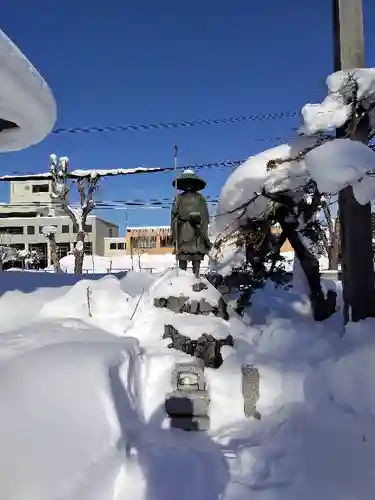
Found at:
<point>77,174</point>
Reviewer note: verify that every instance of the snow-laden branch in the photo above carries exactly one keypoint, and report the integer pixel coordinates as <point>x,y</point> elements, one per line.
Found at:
<point>318,157</point>
<point>344,87</point>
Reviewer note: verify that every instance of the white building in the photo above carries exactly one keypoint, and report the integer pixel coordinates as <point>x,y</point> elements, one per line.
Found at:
<point>31,208</point>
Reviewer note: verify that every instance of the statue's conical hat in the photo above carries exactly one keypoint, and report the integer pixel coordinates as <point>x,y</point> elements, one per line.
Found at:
<point>189,180</point>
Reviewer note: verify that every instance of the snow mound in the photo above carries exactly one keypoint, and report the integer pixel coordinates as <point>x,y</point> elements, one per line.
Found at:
<point>247,181</point>
<point>26,99</point>
<point>134,282</point>
<point>13,302</point>
<point>181,283</point>
<point>100,302</point>
<point>59,427</point>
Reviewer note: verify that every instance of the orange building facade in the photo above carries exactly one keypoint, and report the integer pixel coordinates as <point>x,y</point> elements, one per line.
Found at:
<point>150,240</point>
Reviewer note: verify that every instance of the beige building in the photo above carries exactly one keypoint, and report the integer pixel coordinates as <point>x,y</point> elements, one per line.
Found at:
<point>31,208</point>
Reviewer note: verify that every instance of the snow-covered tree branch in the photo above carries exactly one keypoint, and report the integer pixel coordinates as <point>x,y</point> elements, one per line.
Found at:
<point>288,184</point>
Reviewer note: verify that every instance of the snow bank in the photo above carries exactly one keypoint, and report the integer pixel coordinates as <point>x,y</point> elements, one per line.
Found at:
<point>26,99</point>
<point>12,303</point>
<point>147,262</point>
<point>101,302</point>
<point>249,178</point>
<point>59,425</point>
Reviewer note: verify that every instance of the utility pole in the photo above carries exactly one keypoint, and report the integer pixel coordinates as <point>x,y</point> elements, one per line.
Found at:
<point>355,219</point>
<point>175,155</point>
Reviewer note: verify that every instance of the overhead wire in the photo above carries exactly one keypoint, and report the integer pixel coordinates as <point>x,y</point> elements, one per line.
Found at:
<point>173,125</point>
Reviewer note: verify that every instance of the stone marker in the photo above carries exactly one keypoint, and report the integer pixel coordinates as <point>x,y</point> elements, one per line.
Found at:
<point>250,390</point>
<point>188,404</point>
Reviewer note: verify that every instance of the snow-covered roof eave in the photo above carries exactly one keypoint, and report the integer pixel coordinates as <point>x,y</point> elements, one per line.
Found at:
<point>81,174</point>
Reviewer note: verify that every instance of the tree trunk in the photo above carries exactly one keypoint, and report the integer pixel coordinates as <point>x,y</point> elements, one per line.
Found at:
<point>355,219</point>
<point>356,244</point>
<point>322,307</point>
<point>79,253</point>
<point>54,253</point>
<point>334,247</point>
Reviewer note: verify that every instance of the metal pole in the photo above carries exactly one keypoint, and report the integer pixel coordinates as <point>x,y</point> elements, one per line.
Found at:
<point>355,219</point>
<point>175,154</point>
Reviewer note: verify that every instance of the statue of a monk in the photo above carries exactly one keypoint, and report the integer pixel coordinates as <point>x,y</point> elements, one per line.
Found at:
<point>189,222</point>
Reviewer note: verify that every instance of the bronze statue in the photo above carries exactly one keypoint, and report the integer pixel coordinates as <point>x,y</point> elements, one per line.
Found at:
<point>189,221</point>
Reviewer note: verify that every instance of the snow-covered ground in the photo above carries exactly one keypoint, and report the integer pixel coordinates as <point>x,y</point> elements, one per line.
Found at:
<point>148,262</point>
<point>160,263</point>
<point>82,398</point>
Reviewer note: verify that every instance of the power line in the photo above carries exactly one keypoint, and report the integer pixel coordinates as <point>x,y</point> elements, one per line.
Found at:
<point>172,125</point>
<point>15,175</point>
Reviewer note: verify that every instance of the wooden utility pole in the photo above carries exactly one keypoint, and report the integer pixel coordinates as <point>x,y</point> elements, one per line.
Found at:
<point>175,155</point>
<point>355,219</point>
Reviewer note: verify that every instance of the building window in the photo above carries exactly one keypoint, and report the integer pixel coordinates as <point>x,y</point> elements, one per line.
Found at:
<point>18,246</point>
<point>12,229</point>
<point>63,249</point>
<point>117,246</point>
<point>144,242</point>
<point>88,228</point>
<point>65,228</point>
<point>40,188</point>
<point>87,248</point>
<point>75,229</point>
<point>166,241</point>
<point>110,232</point>
<point>30,229</point>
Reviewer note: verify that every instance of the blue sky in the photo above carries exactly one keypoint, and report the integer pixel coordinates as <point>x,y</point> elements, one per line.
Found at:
<point>117,63</point>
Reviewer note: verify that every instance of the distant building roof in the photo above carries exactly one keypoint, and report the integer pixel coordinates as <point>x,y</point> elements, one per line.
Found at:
<point>140,228</point>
